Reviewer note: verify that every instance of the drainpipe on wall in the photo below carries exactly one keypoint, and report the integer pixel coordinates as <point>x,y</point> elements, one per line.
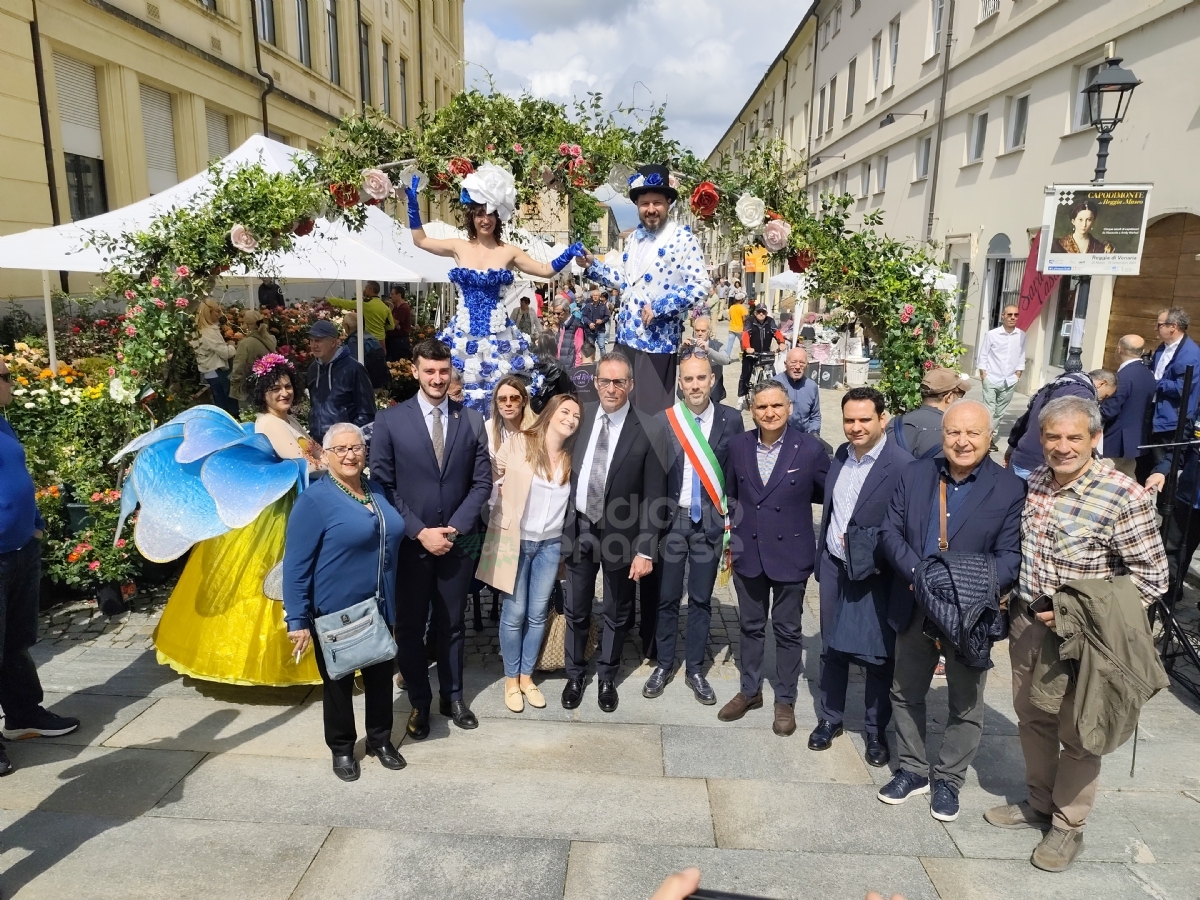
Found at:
<point>812,99</point>
<point>258,65</point>
<point>937,141</point>
<point>421,55</point>
<point>362,100</point>
<point>44,110</point>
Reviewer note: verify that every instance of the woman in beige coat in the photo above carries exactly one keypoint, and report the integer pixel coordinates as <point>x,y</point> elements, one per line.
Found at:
<point>213,353</point>
<point>524,539</point>
<point>256,344</point>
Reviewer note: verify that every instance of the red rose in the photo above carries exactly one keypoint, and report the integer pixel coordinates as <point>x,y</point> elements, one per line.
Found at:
<point>705,199</point>
<point>460,166</point>
<point>303,227</point>
<point>345,195</point>
<point>799,262</point>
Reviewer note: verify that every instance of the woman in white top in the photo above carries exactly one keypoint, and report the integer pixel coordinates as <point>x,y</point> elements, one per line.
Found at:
<point>213,355</point>
<point>524,539</point>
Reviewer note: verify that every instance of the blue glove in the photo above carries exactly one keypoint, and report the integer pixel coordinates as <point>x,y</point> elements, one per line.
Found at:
<point>576,249</point>
<point>414,208</point>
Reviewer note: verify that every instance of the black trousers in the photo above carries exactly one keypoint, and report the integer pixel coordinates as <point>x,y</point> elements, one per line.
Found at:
<point>835,679</point>
<point>338,707</point>
<point>1184,517</point>
<point>754,603</point>
<point>747,371</point>
<point>686,546</point>
<point>617,610</point>
<point>1149,460</point>
<point>653,379</point>
<point>441,582</point>
<point>20,581</point>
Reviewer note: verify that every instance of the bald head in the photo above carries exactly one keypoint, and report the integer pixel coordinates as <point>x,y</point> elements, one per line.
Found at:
<point>1131,346</point>
<point>796,362</point>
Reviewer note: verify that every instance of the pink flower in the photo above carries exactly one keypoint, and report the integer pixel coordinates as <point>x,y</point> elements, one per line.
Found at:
<point>576,151</point>
<point>120,357</point>
<point>491,147</point>
<point>517,148</point>
<point>909,309</point>
<point>929,364</point>
<point>904,317</point>
<point>137,310</point>
<point>158,303</point>
<point>242,239</point>
<point>181,302</point>
<point>129,295</point>
<point>120,542</point>
<point>776,234</point>
<point>564,149</point>
<point>130,330</point>
<point>936,325</point>
<point>917,331</point>
<point>111,372</point>
<point>94,565</point>
<point>183,271</point>
<point>376,184</point>
<point>156,281</point>
<point>96,497</point>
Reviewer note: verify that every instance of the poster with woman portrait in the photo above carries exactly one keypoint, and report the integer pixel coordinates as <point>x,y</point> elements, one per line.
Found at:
<point>1094,229</point>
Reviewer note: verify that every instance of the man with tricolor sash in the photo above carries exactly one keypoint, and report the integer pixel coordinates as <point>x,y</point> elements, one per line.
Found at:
<point>698,432</point>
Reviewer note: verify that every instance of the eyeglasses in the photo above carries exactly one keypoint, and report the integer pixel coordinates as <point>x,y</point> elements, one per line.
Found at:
<point>619,383</point>
<point>694,350</point>
<point>1161,324</point>
<point>1011,315</point>
<point>508,401</point>
<point>343,452</point>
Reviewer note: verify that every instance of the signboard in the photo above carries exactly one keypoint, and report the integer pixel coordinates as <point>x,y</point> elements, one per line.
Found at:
<point>1036,287</point>
<point>755,260</point>
<point>1094,229</point>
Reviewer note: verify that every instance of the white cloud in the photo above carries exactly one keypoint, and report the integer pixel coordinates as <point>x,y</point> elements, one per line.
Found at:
<point>701,57</point>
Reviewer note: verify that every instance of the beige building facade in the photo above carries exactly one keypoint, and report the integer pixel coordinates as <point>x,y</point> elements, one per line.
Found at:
<point>969,171</point>
<point>108,101</point>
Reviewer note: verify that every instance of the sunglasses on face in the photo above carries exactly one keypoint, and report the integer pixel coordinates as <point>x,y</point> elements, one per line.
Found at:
<point>696,351</point>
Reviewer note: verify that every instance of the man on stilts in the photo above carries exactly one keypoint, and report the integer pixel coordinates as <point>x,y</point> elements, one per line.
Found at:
<point>660,275</point>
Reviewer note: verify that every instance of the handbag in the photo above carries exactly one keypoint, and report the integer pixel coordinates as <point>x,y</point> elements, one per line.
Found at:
<point>553,655</point>
<point>358,636</point>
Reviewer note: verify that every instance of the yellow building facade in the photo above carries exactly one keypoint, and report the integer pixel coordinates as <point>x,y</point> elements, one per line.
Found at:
<point>104,102</point>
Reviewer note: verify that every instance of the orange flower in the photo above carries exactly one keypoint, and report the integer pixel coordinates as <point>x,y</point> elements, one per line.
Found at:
<point>73,557</point>
<point>69,380</point>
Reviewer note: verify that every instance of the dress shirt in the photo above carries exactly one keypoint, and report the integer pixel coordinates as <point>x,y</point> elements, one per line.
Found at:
<point>1002,355</point>
<point>1127,362</point>
<point>768,455</point>
<point>1165,358</point>
<point>706,422</point>
<point>427,413</point>
<point>616,421</point>
<point>956,496</point>
<point>845,496</point>
<point>545,509</point>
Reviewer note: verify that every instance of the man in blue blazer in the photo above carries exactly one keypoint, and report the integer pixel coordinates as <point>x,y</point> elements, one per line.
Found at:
<point>695,537</point>
<point>1124,412</point>
<point>1171,359</point>
<point>983,507</point>
<point>774,476</point>
<point>430,454</point>
<point>856,580</point>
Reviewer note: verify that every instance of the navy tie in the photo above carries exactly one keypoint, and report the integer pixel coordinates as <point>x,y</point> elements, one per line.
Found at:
<point>696,488</point>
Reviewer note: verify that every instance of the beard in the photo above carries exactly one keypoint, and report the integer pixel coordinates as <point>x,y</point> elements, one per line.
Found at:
<point>653,229</point>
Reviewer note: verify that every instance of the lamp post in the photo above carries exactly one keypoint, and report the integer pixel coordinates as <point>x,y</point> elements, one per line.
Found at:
<point>1108,95</point>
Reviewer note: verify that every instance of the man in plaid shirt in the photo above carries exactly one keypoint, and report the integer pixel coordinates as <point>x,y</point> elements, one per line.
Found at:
<point>1082,519</point>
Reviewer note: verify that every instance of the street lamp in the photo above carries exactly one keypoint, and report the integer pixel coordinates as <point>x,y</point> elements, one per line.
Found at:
<point>1108,95</point>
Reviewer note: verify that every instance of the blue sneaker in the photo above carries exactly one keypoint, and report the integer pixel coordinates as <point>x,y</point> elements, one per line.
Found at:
<point>902,786</point>
<point>944,804</point>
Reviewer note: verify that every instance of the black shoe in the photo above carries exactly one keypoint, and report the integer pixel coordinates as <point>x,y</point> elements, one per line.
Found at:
<point>657,682</point>
<point>418,724</point>
<point>459,713</point>
<point>877,751</point>
<point>389,757</point>
<point>346,767</point>
<point>822,736</point>
<point>6,766</point>
<point>40,723</point>
<point>607,697</point>
<point>572,694</point>
<point>701,689</point>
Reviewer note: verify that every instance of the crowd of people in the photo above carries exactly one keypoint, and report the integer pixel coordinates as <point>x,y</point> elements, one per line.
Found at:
<point>926,550</point>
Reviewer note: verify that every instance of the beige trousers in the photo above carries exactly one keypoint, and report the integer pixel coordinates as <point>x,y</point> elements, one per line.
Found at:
<point>1061,775</point>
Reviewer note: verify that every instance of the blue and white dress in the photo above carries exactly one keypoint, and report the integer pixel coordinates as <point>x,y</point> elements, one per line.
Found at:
<point>665,271</point>
<point>484,341</point>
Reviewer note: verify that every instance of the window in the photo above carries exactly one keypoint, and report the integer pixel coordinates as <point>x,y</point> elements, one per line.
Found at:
<point>437,93</point>
<point>210,5</point>
<point>266,20</point>
<point>832,103</point>
<point>850,87</point>
<point>864,180</point>
<point>821,112</point>
<point>825,26</point>
<point>893,50</point>
<point>83,150</point>
<point>217,124</point>
<point>1082,117</point>
<point>876,64</point>
<point>402,86</point>
<point>855,6</point>
<point>158,127</point>
<point>303,42</point>
<point>978,132</point>
<point>881,174</point>
<point>85,186</point>
<point>1018,115</point>
<point>837,19</point>
<point>385,74</point>
<point>924,151</point>
<point>364,62</point>
<point>331,26</point>
<point>843,181</point>
<point>988,8</point>
<point>937,16</point>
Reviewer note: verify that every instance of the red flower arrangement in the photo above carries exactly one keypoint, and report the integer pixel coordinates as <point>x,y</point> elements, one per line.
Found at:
<point>344,194</point>
<point>800,261</point>
<point>705,199</point>
<point>303,227</point>
<point>461,166</point>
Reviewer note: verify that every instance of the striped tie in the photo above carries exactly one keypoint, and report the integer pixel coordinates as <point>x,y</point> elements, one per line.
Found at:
<point>598,473</point>
<point>439,440</point>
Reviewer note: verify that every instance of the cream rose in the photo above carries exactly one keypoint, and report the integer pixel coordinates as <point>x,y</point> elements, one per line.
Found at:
<point>242,239</point>
<point>776,234</point>
<point>750,210</point>
<point>376,184</point>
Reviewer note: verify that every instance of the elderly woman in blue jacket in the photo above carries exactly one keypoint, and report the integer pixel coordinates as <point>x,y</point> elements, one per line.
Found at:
<point>330,562</point>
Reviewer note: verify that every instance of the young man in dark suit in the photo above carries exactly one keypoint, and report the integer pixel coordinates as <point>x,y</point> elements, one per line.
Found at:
<point>431,456</point>
<point>774,476</point>
<point>983,515</point>
<point>695,537</point>
<point>1124,411</point>
<point>856,581</point>
<point>614,519</point>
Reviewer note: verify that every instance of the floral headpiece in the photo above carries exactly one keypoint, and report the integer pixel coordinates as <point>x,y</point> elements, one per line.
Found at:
<point>493,188</point>
<point>264,364</point>
<point>653,178</point>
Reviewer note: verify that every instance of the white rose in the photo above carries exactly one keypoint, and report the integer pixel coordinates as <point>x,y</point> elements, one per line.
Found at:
<point>494,187</point>
<point>242,239</point>
<point>750,210</point>
<point>377,185</point>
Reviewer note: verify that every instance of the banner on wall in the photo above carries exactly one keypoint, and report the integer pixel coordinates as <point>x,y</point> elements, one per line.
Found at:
<point>755,260</point>
<point>1036,287</point>
<point>1094,229</point>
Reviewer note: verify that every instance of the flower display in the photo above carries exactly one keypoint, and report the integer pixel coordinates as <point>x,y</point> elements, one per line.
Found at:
<point>242,239</point>
<point>344,195</point>
<point>495,188</point>
<point>460,166</point>
<point>750,210</point>
<point>705,199</point>
<point>376,184</point>
<point>304,227</point>
<point>265,364</point>
<point>776,234</point>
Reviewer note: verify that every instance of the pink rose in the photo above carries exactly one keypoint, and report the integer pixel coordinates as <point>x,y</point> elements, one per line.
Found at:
<point>917,331</point>
<point>929,364</point>
<point>242,239</point>
<point>183,271</point>
<point>130,330</point>
<point>576,151</point>
<point>936,325</point>
<point>156,281</point>
<point>96,498</point>
<point>904,317</point>
<point>94,565</point>
<point>129,295</point>
<point>111,372</point>
<point>158,303</point>
<point>120,542</point>
<point>376,184</point>
<point>909,309</point>
<point>181,302</point>
<point>517,148</point>
<point>776,234</point>
<point>120,357</point>
<point>564,149</point>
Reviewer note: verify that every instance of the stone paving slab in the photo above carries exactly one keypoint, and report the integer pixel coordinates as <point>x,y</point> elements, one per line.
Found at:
<point>525,803</point>
<point>615,872</point>
<point>756,754</point>
<point>822,818</point>
<point>100,717</point>
<point>359,864</point>
<point>982,879</point>
<point>91,780</point>
<point>54,856</point>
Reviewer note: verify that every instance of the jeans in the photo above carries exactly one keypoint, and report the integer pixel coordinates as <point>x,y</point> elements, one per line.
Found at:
<point>523,614</point>
<point>1023,474</point>
<point>219,385</point>
<point>735,339</point>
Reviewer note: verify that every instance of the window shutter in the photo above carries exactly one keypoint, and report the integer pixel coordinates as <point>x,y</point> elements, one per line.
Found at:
<point>78,107</point>
<point>159,129</point>
<point>218,133</point>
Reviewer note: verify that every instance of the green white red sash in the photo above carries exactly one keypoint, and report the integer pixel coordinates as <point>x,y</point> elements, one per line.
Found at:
<point>687,431</point>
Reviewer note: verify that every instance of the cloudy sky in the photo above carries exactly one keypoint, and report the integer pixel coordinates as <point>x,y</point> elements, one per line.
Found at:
<point>701,57</point>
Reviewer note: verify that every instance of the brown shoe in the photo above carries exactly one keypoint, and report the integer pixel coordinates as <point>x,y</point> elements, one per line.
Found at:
<point>739,706</point>
<point>785,719</point>
<point>1057,850</point>
<point>1017,815</point>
